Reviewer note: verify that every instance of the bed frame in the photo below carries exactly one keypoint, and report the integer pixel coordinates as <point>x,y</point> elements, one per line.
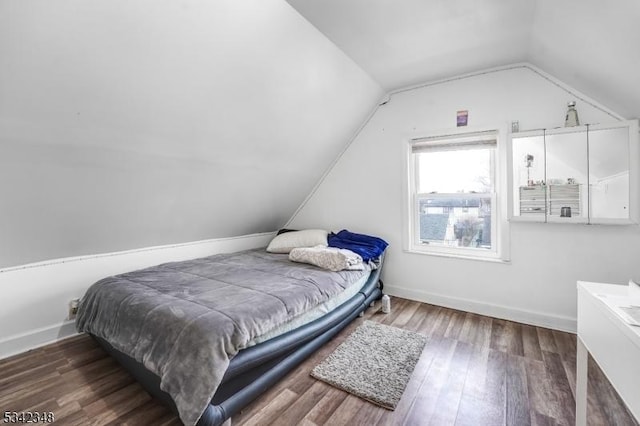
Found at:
<point>255,369</point>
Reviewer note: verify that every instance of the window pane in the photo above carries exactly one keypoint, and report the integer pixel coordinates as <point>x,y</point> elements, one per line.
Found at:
<point>456,221</point>
<point>467,170</point>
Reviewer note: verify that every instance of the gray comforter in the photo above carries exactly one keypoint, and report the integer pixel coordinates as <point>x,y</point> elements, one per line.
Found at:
<point>186,320</point>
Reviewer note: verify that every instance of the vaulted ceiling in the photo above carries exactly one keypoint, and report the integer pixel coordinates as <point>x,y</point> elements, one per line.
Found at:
<point>590,44</point>
<point>127,124</point>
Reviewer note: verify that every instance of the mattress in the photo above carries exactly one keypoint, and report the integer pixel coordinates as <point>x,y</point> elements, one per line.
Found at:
<point>255,369</point>
<point>314,313</point>
<point>186,320</point>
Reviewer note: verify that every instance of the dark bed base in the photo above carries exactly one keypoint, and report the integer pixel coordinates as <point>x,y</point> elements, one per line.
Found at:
<point>253,370</point>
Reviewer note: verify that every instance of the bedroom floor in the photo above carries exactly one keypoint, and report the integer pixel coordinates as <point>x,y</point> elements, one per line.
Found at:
<point>475,370</point>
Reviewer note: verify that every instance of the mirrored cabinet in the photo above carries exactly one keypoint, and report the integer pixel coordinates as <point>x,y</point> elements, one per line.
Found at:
<point>584,174</point>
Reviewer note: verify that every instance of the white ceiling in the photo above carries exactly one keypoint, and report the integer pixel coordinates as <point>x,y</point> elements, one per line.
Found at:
<point>591,45</point>
<point>127,124</point>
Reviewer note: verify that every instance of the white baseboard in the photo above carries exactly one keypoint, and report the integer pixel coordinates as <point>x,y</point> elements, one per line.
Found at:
<point>539,319</point>
<point>36,296</point>
<point>35,338</point>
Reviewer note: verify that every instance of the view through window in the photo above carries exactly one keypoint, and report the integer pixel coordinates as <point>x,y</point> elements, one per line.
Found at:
<point>454,194</point>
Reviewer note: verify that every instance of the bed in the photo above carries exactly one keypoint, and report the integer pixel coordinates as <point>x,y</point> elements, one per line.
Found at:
<point>163,324</point>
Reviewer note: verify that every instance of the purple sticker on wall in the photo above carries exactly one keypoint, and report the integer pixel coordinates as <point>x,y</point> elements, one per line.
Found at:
<point>462,118</point>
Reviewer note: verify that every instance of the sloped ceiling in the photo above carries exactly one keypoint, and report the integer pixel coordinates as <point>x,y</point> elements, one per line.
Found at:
<point>591,45</point>
<point>135,123</point>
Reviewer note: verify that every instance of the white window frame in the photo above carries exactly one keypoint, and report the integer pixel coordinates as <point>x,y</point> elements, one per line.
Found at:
<point>500,198</point>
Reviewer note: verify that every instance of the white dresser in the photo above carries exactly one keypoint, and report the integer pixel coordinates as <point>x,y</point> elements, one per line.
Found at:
<point>613,344</point>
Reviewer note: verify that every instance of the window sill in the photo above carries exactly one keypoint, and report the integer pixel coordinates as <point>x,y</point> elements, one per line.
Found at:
<point>459,256</point>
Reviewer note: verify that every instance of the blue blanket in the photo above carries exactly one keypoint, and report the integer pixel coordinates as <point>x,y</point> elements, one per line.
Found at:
<point>367,246</point>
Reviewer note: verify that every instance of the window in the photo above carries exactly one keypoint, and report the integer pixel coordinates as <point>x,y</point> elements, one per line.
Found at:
<point>454,205</point>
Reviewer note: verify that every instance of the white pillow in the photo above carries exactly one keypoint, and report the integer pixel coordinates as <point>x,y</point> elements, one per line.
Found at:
<point>286,242</point>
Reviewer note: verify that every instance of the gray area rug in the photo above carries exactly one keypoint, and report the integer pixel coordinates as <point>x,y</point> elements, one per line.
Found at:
<point>374,363</point>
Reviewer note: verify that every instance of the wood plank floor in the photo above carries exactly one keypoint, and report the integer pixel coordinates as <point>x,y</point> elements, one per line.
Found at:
<point>475,370</point>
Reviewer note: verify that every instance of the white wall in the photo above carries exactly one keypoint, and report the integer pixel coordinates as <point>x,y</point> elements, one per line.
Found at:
<point>363,192</point>
<point>35,297</point>
<point>134,123</point>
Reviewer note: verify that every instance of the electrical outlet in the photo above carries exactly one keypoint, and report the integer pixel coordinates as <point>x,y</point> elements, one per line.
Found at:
<point>73,308</point>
